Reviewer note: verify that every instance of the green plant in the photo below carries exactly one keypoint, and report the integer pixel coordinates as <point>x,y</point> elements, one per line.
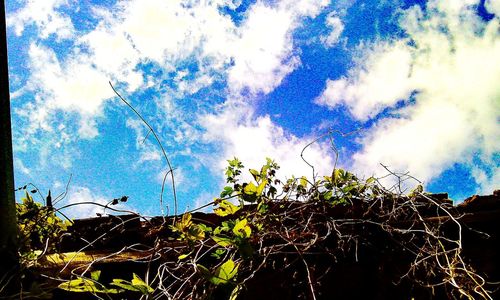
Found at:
<point>300,228</point>
<point>248,209</point>
<point>92,285</point>
<point>188,231</point>
<point>264,221</point>
<point>39,229</point>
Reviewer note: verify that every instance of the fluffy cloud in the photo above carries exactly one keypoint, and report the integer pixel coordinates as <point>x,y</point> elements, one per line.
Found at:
<point>336,27</point>
<point>72,86</point>
<point>254,55</point>
<point>188,48</point>
<point>253,139</point>
<point>424,143</point>
<point>487,182</point>
<point>43,13</point>
<point>493,6</point>
<point>365,91</point>
<point>265,56</point>
<point>445,73</point>
<point>264,51</point>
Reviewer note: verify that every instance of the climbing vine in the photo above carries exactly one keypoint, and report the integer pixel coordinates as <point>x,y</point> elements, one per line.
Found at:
<point>39,229</point>
<point>264,222</point>
<point>299,228</point>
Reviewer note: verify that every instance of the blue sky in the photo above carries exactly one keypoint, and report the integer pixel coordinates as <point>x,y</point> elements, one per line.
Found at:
<point>418,80</point>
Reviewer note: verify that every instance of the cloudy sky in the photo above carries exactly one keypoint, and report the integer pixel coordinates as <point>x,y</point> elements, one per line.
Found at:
<point>417,82</point>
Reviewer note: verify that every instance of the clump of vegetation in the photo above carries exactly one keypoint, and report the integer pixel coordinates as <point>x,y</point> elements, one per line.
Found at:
<point>39,230</point>
<point>267,224</point>
<point>300,228</point>
<point>92,285</point>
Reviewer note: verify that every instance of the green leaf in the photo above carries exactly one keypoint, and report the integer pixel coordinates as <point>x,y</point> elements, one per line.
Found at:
<point>124,284</point>
<point>223,241</point>
<point>261,187</point>
<point>263,170</point>
<point>205,272</point>
<point>349,188</point>
<point>136,285</point>
<point>370,180</point>
<point>196,233</point>
<point>83,285</point>
<point>218,253</point>
<point>95,275</point>
<point>184,256</point>
<point>234,162</point>
<point>224,226</point>
<point>78,285</point>
<point>225,272</point>
<point>36,254</point>
<point>228,191</point>
<point>226,208</point>
<point>250,192</point>
<point>140,285</point>
<point>259,226</point>
<point>262,207</point>
<point>250,189</point>
<point>338,176</point>
<point>255,174</point>
<point>241,229</point>
<point>184,223</point>
<point>204,227</point>
<point>416,191</point>
<point>303,181</point>
<point>328,195</point>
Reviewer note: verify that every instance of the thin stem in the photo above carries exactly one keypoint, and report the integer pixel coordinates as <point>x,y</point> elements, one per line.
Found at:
<point>170,169</point>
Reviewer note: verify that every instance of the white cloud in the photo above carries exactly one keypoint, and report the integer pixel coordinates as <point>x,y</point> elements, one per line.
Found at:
<point>80,195</point>
<point>264,53</point>
<point>136,32</point>
<point>112,53</point>
<point>487,183</point>
<point>21,167</point>
<point>192,47</point>
<point>149,151</point>
<point>72,86</point>
<point>87,128</point>
<point>150,156</point>
<point>167,34</point>
<point>253,139</point>
<point>493,6</point>
<point>380,79</point>
<point>160,28</point>
<point>336,27</point>
<point>450,60</point>
<point>43,14</point>
<point>419,142</point>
